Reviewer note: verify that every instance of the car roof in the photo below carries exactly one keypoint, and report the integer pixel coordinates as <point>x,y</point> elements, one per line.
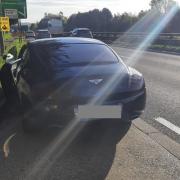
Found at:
<point>66,40</point>
<point>80,29</point>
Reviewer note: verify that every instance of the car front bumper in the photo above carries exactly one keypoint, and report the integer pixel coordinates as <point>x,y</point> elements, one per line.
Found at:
<point>132,103</point>
<point>133,106</point>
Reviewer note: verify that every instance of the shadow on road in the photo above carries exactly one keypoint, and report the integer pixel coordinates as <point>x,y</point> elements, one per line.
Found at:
<point>3,110</point>
<point>89,156</point>
<point>9,117</point>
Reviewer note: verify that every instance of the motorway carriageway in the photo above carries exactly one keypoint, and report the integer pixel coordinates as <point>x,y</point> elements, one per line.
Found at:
<point>162,75</point>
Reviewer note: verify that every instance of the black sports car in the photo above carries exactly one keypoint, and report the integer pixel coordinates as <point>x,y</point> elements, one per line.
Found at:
<point>77,76</point>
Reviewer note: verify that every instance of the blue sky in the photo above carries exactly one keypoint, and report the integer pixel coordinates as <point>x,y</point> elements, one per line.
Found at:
<point>37,8</point>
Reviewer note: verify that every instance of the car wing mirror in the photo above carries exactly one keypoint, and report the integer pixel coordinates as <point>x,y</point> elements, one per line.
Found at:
<point>8,57</point>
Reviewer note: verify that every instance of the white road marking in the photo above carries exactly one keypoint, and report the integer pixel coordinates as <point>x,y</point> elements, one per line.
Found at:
<point>6,148</point>
<point>168,125</point>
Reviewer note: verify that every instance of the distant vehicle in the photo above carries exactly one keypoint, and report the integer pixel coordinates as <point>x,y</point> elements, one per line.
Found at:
<point>55,26</point>
<point>68,75</point>
<point>82,32</point>
<point>30,35</point>
<point>43,33</point>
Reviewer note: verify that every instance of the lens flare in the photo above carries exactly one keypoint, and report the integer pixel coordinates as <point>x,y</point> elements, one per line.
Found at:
<point>153,26</point>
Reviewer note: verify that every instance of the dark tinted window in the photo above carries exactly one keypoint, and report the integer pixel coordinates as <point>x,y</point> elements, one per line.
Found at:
<point>36,69</point>
<point>74,54</point>
<point>30,34</point>
<point>43,34</point>
<point>84,33</point>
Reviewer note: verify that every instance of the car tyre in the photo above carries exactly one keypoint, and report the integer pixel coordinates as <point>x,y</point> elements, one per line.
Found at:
<point>28,125</point>
<point>125,119</point>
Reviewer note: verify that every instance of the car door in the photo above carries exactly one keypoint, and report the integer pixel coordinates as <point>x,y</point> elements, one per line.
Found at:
<point>23,73</point>
<point>8,78</point>
<point>31,81</point>
<point>8,82</point>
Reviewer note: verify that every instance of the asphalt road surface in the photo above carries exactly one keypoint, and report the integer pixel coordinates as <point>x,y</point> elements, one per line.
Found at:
<point>42,156</point>
<point>99,150</point>
<point>103,149</point>
<point>162,75</point>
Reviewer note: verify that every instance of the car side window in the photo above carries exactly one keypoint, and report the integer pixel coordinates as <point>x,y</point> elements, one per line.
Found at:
<point>25,59</point>
<point>33,70</point>
<point>22,55</point>
<point>25,56</point>
<point>23,49</point>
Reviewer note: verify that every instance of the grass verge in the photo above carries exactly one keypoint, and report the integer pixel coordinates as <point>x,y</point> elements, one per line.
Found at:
<point>7,36</point>
<point>168,48</point>
<point>15,43</point>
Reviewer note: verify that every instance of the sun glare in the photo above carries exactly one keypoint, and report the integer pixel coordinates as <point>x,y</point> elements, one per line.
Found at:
<point>178,1</point>
<point>65,138</point>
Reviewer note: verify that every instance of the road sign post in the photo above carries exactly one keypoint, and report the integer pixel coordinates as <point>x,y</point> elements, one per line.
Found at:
<point>4,27</point>
<point>1,44</point>
<point>14,9</point>
<point>1,34</point>
<point>4,24</point>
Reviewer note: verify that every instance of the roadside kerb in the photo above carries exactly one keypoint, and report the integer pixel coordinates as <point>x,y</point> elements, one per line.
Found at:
<point>167,143</point>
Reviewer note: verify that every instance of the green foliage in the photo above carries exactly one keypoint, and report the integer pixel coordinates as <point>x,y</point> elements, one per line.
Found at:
<point>160,47</point>
<point>43,24</point>
<point>142,13</point>
<point>7,36</point>
<point>102,21</point>
<point>162,5</point>
<point>13,48</point>
<point>17,44</point>
<point>34,26</point>
<point>1,61</point>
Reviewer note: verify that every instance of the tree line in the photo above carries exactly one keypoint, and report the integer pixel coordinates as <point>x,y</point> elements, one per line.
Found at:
<point>101,20</point>
<point>104,21</point>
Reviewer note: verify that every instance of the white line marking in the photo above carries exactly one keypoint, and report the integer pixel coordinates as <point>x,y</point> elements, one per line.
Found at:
<point>168,125</point>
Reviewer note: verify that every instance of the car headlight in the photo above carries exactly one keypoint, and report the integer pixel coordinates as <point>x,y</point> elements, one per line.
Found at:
<point>136,80</point>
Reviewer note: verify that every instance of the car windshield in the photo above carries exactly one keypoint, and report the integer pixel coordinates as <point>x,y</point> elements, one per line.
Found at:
<point>74,54</point>
<point>84,33</point>
<point>30,34</point>
<point>43,34</point>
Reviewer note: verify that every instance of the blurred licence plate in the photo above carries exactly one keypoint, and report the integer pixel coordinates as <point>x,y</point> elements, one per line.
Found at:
<point>98,112</point>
